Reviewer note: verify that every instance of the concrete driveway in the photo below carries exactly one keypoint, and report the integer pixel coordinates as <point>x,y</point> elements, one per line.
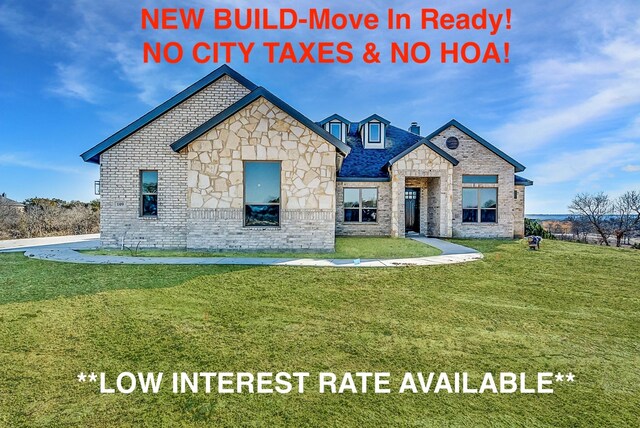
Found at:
<point>74,242</point>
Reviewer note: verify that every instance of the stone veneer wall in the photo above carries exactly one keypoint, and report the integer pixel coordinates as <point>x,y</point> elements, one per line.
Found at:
<point>420,163</point>
<point>261,132</point>
<point>474,158</point>
<point>382,227</point>
<point>148,149</point>
<point>518,213</point>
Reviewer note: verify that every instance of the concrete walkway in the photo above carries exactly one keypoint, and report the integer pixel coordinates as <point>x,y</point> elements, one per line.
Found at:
<point>451,253</point>
<point>78,242</point>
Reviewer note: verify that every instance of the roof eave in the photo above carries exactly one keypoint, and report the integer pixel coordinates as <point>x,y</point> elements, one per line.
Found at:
<point>431,146</point>
<point>245,101</point>
<point>93,155</point>
<point>453,122</point>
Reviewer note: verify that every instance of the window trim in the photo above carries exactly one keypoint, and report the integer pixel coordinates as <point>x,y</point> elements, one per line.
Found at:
<point>480,175</point>
<point>143,194</point>
<point>360,207</point>
<point>339,126</point>
<point>244,194</point>
<point>379,140</point>
<point>479,207</point>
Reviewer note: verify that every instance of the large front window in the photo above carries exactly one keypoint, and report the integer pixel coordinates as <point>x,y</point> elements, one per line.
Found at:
<point>149,193</point>
<point>361,205</point>
<point>480,205</point>
<point>262,193</point>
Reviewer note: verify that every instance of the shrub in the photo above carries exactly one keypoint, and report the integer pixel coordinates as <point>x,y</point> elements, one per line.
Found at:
<point>533,228</point>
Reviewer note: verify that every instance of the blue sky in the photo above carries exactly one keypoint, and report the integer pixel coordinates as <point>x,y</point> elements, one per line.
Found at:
<point>567,105</point>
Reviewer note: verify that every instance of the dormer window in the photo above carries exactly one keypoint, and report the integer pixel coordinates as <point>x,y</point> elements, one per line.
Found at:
<point>374,132</point>
<point>335,128</point>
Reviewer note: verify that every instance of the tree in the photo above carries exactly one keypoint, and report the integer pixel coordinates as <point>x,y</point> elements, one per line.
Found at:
<point>580,227</point>
<point>626,210</point>
<point>594,208</point>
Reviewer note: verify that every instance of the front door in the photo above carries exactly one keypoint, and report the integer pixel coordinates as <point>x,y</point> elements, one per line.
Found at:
<point>412,210</point>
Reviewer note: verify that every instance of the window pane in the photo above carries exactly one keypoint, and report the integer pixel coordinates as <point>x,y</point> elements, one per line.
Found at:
<point>336,129</point>
<point>351,215</point>
<point>369,215</point>
<point>469,216</point>
<point>149,181</point>
<point>488,216</point>
<point>262,182</point>
<point>488,198</point>
<point>369,198</point>
<point>469,198</point>
<point>150,205</point>
<point>479,178</point>
<point>262,215</point>
<point>351,198</point>
<point>374,132</point>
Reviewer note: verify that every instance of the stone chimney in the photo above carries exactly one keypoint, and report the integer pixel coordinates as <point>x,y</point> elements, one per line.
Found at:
<point>414,128</point>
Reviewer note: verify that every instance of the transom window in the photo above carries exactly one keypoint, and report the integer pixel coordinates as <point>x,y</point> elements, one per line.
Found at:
<point>149,193</point>
<point>262,194</point>
<point>335,129</point>
<point>374,132</point>
<point>480,205</point>
<point>361,205</point>
<point>491,179</point>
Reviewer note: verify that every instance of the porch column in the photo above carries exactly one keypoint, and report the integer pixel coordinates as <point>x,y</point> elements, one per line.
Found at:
<point>397,205</point>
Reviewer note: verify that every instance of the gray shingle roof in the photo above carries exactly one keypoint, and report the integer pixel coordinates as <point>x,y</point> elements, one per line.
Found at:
<point>9,202</point>
<point>521,181</point>
<point>372,163</point>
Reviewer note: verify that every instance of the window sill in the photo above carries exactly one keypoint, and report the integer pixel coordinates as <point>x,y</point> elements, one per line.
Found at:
<point>148,217</point>
<point>465,223</point>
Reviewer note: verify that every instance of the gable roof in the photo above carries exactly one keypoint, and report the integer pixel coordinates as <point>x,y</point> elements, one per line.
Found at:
<point>518,166</point>
<point>373,117</point>
<point>93,154</point>
<point>245,101</point>
<point>334,117</point>
<point>430,145</point>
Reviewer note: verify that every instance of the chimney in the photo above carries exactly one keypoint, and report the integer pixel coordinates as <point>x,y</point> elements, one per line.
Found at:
<point>414,128</point>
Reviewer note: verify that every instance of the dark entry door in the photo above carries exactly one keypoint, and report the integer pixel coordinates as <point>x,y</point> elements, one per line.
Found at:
<point>412,210</point>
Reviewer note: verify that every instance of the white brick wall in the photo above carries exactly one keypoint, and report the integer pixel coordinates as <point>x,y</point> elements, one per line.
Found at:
<point>149,148</point>
<point>475,159</point>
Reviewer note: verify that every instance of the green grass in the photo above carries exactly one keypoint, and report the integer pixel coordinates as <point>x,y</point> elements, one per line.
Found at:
<point>346,248</point>
<point>569,307</point>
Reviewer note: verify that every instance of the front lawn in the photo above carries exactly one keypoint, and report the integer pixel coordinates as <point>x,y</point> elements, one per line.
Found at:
<point>569,307</point>
<point>346,248</point>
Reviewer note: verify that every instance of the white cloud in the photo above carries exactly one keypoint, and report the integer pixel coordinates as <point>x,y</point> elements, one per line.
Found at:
<point>72,82</point>
<point>631,168</point>
<point>567,90</point>
<point>24,160</point>
<point>585,166</point>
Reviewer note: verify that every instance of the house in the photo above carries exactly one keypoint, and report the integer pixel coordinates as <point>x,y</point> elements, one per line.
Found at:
<point>10,204</point>
<point>225,164</point>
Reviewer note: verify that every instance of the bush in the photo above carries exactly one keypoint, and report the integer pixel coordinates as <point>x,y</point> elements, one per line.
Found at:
<point>49,217</point>
<point>533,228</point>
<point>636,246</point>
